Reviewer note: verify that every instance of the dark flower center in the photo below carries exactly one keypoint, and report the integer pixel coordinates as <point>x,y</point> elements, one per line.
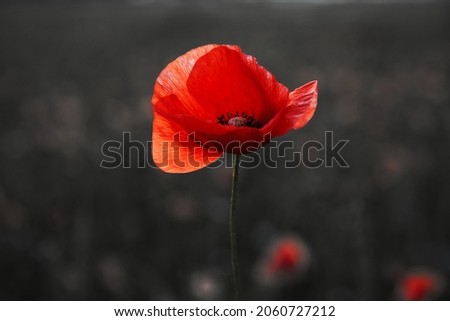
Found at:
<point>238,120</point>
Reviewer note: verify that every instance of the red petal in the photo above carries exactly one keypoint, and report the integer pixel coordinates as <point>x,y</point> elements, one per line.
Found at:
<point>231,139</point>
<point>174,151</point>
<point>172,81</point>
<point>303,103</point>
<point>225,138</point>
<point>225,80</point>
<point>300,109</point>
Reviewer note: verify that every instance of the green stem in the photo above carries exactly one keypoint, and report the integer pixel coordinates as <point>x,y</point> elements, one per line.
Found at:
<point>232,223</point>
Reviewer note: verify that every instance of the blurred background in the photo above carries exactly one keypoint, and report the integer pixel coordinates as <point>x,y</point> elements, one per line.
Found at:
<point>75,74</point>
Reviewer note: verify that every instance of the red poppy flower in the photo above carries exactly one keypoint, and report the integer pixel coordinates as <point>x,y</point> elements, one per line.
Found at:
<point>284,260</point>
<point>286,257</point>
<point>420,286</point>
<point>216,99</point>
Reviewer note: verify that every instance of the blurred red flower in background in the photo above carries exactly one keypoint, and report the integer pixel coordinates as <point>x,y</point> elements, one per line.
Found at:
<point>216,99</point>
<point>285,259</point>
<point>420,285</point>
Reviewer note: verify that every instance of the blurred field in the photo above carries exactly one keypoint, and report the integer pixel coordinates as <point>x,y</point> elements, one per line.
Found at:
<point>74,77</point>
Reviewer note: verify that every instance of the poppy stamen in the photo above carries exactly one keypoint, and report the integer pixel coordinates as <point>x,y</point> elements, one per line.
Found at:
<point>238,120</point>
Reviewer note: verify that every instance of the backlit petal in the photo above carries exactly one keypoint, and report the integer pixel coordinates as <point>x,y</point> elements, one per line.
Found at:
<point>175,151</point>
<point>300,109</point>
<point>173,79</point>
<point>302,104</point>
<point>235,84</point>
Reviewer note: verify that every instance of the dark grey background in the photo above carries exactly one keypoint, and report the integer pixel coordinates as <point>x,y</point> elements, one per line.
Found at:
<point>75,76</point>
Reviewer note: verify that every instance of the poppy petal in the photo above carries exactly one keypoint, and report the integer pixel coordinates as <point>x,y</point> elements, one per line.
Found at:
<point>236,84</point>
<point>230,139</point>
<point>303,103</point>
<point>300,109</point>
<point>173,79</point>
<point>175,151</point>
<point>225,138</point>
<point>277,94</point>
